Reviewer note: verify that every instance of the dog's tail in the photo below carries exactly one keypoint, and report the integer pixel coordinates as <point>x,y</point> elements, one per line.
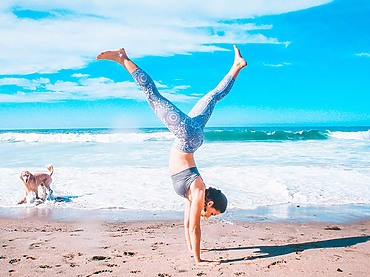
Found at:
<point>51,169</point>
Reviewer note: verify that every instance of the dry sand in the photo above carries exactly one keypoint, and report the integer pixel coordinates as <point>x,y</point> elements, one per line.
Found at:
<point>31,247</point>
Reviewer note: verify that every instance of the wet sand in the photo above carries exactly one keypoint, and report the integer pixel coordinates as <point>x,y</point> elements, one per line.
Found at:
<point>31,247</point>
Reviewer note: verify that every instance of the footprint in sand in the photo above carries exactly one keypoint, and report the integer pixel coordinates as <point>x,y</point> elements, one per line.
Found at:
<point>100,272</point>
<point>12,261</point>
<point>35,245</point>
<point>45,266</point>
<point>127,253</point>
<point>99,258</point>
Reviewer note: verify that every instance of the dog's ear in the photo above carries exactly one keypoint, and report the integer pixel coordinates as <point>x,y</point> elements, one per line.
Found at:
<point>25,173</point>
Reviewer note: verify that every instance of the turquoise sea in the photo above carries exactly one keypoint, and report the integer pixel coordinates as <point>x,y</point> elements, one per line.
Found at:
<point>284,173</point>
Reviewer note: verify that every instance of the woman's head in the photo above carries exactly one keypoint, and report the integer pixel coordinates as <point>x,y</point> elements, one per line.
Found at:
<point>215,202</point>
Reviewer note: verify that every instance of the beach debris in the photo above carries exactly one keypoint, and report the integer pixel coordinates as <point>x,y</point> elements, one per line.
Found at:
<point>45,266</point>
<point>276,262</point>
<point>78,230</point>
<point>99,258</point>
<point>156,245</point>
<point>334,228</point>
<point>339,269</point>
<point>69,256</point>
<point>128,253</point>
<point>100,272</point>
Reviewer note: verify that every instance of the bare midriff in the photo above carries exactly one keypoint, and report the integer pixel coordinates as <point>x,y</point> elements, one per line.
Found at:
<point>180,161</point>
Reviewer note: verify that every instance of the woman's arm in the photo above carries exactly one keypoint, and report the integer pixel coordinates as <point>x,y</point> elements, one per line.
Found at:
<point>196,207</point>
<point>186,224</point>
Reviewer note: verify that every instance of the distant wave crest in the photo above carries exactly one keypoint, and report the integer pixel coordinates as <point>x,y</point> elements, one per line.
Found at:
<point>211,135</point>
<point>84,137</point>
<point>250,135</point>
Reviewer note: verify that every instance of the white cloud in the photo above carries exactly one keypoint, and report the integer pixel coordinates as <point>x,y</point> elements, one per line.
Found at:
<point>363,54</point>
<point>80,75</point>
<point>69,34</point>
<point>25,83</point>
<point>277,65</point>
<point>84,88</point>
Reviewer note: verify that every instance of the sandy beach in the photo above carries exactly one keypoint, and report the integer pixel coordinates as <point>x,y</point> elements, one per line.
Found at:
<point>34,246</point>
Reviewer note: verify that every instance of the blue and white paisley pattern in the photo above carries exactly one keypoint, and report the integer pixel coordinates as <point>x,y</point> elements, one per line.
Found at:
<point>188,129</point>
<point>203,109</point>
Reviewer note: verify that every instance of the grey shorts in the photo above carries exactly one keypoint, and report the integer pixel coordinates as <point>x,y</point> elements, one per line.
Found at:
<point>181,181</point>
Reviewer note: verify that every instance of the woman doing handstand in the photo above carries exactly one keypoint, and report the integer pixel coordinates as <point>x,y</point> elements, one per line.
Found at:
<point>189,133</point>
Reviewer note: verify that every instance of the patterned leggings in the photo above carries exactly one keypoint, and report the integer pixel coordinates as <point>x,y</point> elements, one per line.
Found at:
<point>188,129</point>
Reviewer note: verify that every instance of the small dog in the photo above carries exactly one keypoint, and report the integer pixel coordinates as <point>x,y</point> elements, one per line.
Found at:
<point>33,181</point>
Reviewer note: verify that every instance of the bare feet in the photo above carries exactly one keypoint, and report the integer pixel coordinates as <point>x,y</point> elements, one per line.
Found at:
<point>238,64</point>
<point>120,57</point>
<point>238,59</point>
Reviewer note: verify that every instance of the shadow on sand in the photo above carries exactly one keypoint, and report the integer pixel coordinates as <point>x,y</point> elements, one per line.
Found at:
<point>279,250</point>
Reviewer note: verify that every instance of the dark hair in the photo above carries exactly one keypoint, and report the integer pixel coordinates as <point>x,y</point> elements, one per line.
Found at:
<point>219,199</point>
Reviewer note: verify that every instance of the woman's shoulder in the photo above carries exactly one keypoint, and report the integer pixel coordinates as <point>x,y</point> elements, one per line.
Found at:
<point>197,186</point>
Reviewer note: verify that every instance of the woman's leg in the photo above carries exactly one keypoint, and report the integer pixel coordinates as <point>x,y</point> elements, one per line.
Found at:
<point>204,107</point>
<point>175,120</point>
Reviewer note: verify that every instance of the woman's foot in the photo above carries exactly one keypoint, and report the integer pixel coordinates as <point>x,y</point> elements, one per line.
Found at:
<point>120,57</point>
<point>238,59</point>
<point>238,64</point>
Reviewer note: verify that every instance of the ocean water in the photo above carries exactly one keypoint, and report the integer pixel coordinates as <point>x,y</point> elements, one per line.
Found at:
<point>259,169</point>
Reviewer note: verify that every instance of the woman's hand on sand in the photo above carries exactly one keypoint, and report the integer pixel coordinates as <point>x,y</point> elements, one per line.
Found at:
<point>207,263</point>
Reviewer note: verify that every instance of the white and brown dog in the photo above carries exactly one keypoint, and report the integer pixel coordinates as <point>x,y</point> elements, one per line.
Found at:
<point>33,181</point>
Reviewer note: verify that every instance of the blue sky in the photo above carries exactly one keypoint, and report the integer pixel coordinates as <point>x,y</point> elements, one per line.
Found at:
<point>308,61</point>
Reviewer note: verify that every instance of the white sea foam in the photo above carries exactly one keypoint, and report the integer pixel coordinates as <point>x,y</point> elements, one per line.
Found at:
<point>361,135</point>
<point>150,188</point>
<point>84,137</point>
